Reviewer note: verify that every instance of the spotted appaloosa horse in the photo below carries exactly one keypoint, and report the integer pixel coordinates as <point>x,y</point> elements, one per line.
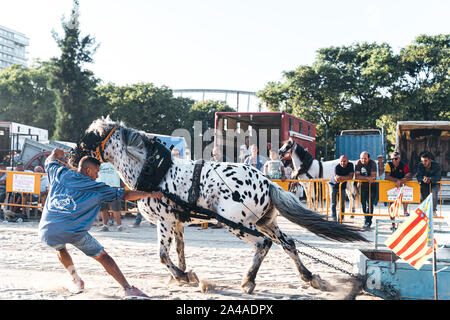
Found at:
<point>299,155</point>
<point>237,192</point>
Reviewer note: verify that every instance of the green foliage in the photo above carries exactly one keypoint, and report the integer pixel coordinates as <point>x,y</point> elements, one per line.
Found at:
<point>26,98</point>
<point>144,107</point>
<point>74,85</point>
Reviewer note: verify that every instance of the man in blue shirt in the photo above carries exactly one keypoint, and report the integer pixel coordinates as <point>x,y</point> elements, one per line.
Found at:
<point>70,210</point>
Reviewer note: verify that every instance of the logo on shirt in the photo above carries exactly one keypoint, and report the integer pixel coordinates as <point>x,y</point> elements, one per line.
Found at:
<point>63,202</point>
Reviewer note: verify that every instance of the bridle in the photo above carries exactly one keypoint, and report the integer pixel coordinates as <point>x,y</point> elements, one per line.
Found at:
<point>91,145</point>
<point>289,150</point>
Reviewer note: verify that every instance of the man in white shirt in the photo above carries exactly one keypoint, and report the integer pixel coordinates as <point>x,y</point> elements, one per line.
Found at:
<point>110,177</point>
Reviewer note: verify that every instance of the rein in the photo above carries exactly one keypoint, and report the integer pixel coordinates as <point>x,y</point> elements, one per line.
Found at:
<point>101,147</point>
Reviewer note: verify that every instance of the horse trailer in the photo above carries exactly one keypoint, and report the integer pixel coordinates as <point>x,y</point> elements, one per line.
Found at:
<point>268,130</point>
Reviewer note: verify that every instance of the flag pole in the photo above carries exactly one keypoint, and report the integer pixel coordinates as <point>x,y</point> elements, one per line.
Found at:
<point>435,273</point>
<point>431,235</point>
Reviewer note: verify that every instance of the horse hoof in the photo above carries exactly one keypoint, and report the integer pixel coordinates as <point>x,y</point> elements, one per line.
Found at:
<point>318,283</point>
<point>192,277</point>
<point>206,286</point>
<point>172,280</point>
<point>248,287</point>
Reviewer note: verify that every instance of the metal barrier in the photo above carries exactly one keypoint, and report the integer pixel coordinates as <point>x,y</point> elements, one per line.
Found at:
<point>385,194</point>
<point>317,192</point>
<point>24,185</point>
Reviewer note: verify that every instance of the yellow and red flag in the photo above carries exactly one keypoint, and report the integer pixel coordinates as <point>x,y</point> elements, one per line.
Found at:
<point>394,209</point>
<point>413,240</point>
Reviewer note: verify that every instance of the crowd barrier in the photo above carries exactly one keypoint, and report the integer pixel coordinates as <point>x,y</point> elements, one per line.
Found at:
<point>22,190</point>
<point>386,193</point>
<point>317,192</point>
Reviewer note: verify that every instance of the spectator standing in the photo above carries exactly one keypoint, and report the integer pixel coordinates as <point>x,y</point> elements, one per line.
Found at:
<point>217,155</point>
<point>244,150</point>
<point>109,176</point>
<point>74,202</point>
<point>176,153</point>
<point>254,159</point>
<point>366,170</point>
<point>2,183</point>
<point>343,171</point>
<point>428,174</point>
<point>274,168</point>
<point>398,171</point>
<point>44,184</point>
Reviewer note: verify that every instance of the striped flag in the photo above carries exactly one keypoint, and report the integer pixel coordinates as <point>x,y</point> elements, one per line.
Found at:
<point>414,238</point>
<point>394,209</point>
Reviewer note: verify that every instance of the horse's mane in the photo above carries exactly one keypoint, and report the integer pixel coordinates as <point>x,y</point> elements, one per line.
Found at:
<point>302,154</point>
<point>102,125</point>
<point>135,146</point>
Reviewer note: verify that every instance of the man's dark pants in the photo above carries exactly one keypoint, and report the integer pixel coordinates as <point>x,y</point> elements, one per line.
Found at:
<point>366,206</point>
<point>334,196</point>
<point>425,191</point>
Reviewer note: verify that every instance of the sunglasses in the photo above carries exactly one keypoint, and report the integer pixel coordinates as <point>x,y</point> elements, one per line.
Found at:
<point>394,159</point>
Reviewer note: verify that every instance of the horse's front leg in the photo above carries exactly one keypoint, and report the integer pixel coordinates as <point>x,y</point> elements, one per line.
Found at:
<point>179,245</point>
<point>165,237</point>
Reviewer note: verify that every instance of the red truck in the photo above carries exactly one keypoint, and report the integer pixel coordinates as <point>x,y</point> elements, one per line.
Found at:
<point>263,128</point>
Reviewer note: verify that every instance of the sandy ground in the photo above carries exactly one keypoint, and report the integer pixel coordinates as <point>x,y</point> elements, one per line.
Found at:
<point>29,270</point>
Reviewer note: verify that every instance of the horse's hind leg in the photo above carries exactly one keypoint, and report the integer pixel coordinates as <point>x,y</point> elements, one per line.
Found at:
<point>165,236</point>
<point>262,246</point>
<point>270,228</point>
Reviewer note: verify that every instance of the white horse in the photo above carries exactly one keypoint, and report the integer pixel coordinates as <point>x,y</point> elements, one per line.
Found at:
<point>306,168</point>
<point>238,195</point>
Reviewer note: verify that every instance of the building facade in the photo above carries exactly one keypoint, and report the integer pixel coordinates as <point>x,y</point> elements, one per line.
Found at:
<point>12,48</point>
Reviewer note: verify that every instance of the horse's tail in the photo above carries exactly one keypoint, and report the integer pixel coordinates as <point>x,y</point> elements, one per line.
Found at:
<point>291,208</point>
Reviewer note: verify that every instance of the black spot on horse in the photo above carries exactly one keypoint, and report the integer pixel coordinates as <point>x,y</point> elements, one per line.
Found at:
<point>256,198</point>
<point>238,181</point>
<point>261,201</point>
<point>236,197</point>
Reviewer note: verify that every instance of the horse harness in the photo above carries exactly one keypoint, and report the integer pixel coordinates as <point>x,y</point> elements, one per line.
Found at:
<point>192,210</point>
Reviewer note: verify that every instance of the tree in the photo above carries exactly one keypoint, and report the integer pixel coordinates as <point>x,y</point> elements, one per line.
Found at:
<point>74,85</point>
<point>144,107</point>
<point>424,85</point>
<point>345,88</point>
<point>26,98</point>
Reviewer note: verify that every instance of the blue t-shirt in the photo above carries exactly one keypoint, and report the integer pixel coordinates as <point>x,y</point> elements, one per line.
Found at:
<point>72,205</point>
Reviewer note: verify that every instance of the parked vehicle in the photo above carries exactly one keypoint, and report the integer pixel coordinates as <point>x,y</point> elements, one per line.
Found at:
<point>262,128</point>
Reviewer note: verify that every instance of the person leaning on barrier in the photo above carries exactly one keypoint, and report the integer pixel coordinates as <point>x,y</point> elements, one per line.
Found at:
<point>73,204</point>
<point>343,171</point>
<point>428,175</point>
<point>398,171</point>
<point>366,170</point>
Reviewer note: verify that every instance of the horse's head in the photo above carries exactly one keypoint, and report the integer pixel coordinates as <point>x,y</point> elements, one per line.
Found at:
<point>92,143</point>
<point>102,134</point>
<point>287,147</point>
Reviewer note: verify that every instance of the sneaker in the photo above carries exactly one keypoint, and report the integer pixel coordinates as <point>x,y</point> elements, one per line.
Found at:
<point>406,214</point>
<point>135,225</point>
<point>366,226</point>
<point>104,228</point>
<point>120,228</point>
<point>133,293</point>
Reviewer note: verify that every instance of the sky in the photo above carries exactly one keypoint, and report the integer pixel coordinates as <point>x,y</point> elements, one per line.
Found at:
<point>228,44</point>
